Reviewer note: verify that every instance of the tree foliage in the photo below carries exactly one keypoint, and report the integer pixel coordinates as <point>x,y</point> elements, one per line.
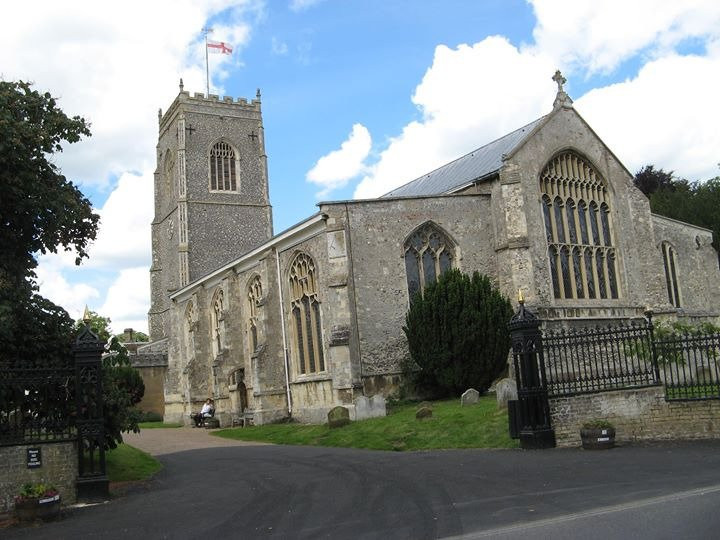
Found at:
<point>676,198</point>
<point>457,334</point>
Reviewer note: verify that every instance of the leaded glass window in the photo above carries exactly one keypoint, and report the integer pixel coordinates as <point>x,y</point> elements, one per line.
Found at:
<point>670,265</point>
<point>305,309</point>
<point>577,216</point>
<point>223,167</point>
<point>429,252</point>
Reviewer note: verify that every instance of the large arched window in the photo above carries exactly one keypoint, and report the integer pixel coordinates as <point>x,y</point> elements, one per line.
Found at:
<point>578,229</point>
<point>254,297</point>
<point>217,316</point>
<point>223,167</point>
<point>428,253</point>
<point>306,323</point>
<point>670,265</point>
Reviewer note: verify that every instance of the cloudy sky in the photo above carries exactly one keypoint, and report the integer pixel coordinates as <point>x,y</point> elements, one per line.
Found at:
<point>358,97</point>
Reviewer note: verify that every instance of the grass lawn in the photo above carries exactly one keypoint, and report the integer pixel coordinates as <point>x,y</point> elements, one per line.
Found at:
<point>156,425</point>
<point>126,463</point>
<point>451,426</point>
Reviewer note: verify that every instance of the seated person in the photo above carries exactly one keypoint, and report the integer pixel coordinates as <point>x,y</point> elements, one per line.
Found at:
<point>207,411</point>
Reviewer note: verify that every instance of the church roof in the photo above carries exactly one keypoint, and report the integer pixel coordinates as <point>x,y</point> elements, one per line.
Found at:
<point>477,164</point>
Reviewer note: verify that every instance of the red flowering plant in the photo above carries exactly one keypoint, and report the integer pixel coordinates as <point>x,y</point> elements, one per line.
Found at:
<point>38,492</point>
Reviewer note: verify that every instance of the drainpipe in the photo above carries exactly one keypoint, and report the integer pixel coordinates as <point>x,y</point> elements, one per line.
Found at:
<point>284,335</point>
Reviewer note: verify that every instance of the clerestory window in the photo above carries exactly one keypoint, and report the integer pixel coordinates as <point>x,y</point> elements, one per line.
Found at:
<point>578,230</point>
<point>223,167</point>
<point>306,323</point>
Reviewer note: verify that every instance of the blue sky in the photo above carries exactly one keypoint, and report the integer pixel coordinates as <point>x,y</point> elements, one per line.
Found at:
<point>358,97</point>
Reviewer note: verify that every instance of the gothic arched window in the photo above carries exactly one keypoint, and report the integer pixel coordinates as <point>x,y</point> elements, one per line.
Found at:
<point>670,265</point>
<point>223,167</point>
<point>254,297</point>
<point>428,253</point>
<point>579,234</point>
<point>306,323</point>
<point>217,316</point>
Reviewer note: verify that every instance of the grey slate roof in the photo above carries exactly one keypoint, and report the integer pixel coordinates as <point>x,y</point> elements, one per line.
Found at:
<point>477,164</point>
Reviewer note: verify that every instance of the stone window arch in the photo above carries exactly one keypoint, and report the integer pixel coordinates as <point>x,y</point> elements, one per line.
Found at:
<point>670,265</point>
<point>576,209</point>
<point>254,296</point>
<point>223,167</point>
<point>306,320</point>
<point>428,252</point>
<point>217,322</point>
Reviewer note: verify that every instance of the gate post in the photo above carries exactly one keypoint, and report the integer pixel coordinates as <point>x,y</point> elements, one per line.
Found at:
<point>92,482</point>
<point>533,405</point>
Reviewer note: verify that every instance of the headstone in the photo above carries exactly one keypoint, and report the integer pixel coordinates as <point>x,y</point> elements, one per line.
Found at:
<point>469,397</point>
<point>338,417</point>
<point>423,413</point>
<point>505,390</point>
<point>425,404</point>
<point>369,407</point>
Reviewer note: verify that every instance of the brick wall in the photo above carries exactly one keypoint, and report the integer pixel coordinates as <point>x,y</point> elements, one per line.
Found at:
<point>641,414</point>
<point>59,468</point>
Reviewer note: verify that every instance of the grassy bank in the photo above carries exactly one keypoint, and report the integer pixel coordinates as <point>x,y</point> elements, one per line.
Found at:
<point>157,425</point>
<point>451,426</point>
<point>126,463</point>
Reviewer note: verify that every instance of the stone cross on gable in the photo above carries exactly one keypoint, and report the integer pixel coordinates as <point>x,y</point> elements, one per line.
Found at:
<point>560,80</point>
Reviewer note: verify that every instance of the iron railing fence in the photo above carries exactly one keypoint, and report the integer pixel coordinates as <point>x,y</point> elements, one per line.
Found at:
<point>689,366</point>
<point>587,360</point>
<point>631,355</point>
<point>37,405</point>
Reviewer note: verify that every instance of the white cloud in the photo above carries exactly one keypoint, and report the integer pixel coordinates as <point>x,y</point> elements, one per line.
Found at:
<point>115,64</point>
<point>278,47</point>
<point>53,285</point>
<point>468,97</point>
<point>124,234</point>
<point>127,300</point>
<point>666,116</point>
<point>598,36</point>
<point>333,170</point>
<point>301,5</point>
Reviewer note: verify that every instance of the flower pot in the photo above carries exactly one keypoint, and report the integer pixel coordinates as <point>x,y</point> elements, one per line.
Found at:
<point>44,508</point>
<point>597,438</point>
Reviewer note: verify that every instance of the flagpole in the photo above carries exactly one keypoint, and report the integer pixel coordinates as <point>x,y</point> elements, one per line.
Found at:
<point>206,31</point>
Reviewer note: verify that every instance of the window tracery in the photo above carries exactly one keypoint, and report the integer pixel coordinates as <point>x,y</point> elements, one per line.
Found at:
<point>306,322</point>
<point>578,229</point>
<point>223,167</point>
<point>428,253</point>
<point>670,266</point>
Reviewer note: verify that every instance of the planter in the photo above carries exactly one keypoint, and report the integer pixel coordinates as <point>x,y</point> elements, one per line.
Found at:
<point>597,438</point>
<point>45,509</point>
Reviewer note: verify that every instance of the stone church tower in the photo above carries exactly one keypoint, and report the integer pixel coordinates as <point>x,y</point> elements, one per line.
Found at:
<point>211,193</point>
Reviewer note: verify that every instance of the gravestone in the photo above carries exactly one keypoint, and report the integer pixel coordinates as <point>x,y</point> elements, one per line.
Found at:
<point>505,390</point>
<point>423,413</point>
<point>469,397</point>
<point>425,404</point>
<point>369,407</point>
<point>338,417</point>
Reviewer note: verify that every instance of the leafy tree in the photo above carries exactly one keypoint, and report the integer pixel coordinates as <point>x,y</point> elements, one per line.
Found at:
<point>40,211</point>
<point>458,336</point>
<point>134,336</point>
<point>649,179</point>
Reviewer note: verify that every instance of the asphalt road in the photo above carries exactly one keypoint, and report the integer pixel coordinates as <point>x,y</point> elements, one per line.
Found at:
<point>660,491</point>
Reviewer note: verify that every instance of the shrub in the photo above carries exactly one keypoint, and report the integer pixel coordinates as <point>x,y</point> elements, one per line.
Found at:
<point>457,334</point>
<point>597,424</point>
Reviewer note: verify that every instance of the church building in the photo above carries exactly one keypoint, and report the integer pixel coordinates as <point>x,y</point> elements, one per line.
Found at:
<point>295,323</point>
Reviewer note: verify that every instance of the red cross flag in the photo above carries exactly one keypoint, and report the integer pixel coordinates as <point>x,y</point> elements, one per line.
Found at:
<point>219,47</point>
